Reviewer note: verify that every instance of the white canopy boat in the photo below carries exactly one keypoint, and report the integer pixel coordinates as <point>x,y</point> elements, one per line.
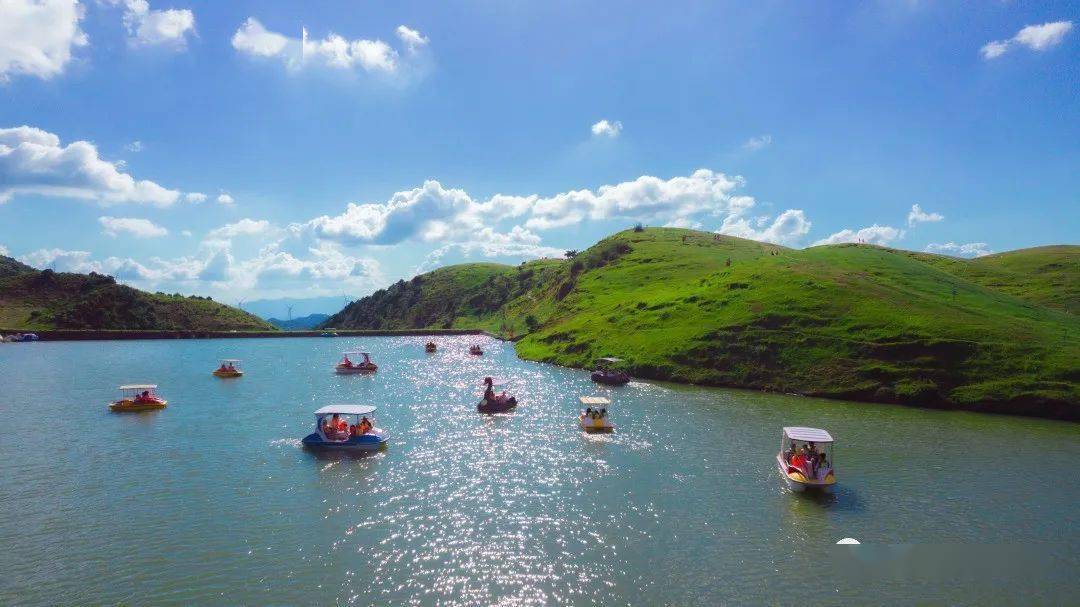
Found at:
<point>805,459</point>
<point>594,417</point>
<point>349,427</point>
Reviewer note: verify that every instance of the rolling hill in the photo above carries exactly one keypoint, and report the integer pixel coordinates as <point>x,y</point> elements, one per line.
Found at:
<point>40,300</point>
<point>303,323</point>
<point>845,321</point>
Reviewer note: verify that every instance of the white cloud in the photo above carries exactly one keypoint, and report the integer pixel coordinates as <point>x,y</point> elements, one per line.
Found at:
<point>33,162</point>
<point>37,37</point>
<point>225,199</point>
<point>138,228</point>
<point>254,39</point>
<point>787,228</point>
<point>412,39</point>
<point>149,27</point>
<point>186,233</point>
<point>195,197</point>
<point>606,128</point>
<point>875,234</point>
<point>134,146</point>
<point>971,249</point>
<point>917,215</point>
<point>1034,37</point>
<point>754,144</point>
<point>244,227</point>
<point>333,51</point>
<point>3,250</point>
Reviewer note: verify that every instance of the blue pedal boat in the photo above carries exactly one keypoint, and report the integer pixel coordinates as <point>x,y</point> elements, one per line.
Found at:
<point>346,427</point>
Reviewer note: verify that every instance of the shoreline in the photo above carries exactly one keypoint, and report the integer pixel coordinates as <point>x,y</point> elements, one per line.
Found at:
<point>134,334</point>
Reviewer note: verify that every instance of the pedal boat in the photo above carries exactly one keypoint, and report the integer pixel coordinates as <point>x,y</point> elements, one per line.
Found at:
<point>136,398</point>
<point>499,404</point>
<point>324,438</point>
<point>606,374</point>
<point>595,425</point>
<point>430,347</point>
<point>230,367</point>
<point>476,350</point>
<point>348,367</point>
<point>794,464</point>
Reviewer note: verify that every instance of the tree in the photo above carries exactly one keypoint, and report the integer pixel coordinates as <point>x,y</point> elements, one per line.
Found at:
<point>531,323</point>
<point>571,254</point>
<point>639,228</point>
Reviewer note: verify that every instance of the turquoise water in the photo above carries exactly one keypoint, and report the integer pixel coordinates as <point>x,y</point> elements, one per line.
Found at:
<point>213,501</point>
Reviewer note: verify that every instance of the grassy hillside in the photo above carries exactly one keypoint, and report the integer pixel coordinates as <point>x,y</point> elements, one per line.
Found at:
<point>32,300</point>
<point>846,321</point>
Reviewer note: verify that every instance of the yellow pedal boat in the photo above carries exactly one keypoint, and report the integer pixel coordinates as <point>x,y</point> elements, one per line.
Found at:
<point>230,367</point>
<point>138,397</point>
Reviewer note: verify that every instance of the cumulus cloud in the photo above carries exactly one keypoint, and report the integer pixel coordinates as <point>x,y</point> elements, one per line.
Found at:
<point>33,162</point>
<point>244,227</point>
<point>787,228</point>
<point>38,37</point>
<point>412,39</point>
<point>195,197</point>
<point>971,249</point>
<point>131,226</point>
<point>134,146</point>
<point>917,215</point>
<point>332,51</point>
<point>1034,37</point>
<point>225,199</point>
<point>875,234</point>
<point>3,250</point>
<point>760,142</point>
<point>606,128</point>
<point>149,27</point>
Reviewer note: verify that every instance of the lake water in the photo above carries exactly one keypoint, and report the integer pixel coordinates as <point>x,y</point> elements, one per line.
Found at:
<point>213,500</point>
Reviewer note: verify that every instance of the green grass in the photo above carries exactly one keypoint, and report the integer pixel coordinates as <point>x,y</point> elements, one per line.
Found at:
<point>844,321</point>
<point>32,300</point>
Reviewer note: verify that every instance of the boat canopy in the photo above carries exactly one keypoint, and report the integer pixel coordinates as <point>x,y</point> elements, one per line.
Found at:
<point>809,435</point>
<point>345,410</point>
<point>139,387</point>
<point>356,352</point>
<point>594,401</point>
<point>230,360</point>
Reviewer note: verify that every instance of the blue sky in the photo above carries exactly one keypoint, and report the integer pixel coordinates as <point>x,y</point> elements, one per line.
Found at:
<point>208,147</point>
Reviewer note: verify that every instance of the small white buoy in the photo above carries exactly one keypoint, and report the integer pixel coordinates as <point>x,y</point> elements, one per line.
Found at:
<point>847,541</point>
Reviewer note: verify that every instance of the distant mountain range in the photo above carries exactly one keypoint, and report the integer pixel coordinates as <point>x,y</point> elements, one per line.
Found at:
<point>861,322</point>
<point>299,324</point>
<point>301,306</point>
<point>38,300</point>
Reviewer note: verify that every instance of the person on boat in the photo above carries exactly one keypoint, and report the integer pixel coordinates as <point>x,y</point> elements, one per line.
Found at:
<point>790,453</point>
<point>489,389</point>
<point>144,397</point>
<point>588,411</point>
<point>224,369</point>
<point>346,362</point>
<point>603,413</point>
<point>798,460</point>
<point>364,426</point>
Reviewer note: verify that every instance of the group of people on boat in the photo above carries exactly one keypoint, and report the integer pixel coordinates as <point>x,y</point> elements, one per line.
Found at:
<point>347,363</point>
<point>595,414</point>
<point>227,367</point>
<point>146,397</point>
<point>813,462</point>
<point>337,428</point>
<point>489,391</point>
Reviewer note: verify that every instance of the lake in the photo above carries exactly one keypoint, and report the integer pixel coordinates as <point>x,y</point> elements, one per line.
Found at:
<point>214,502</point>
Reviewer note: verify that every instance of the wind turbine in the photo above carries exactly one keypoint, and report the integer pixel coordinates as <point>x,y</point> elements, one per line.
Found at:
<point>290,312</point>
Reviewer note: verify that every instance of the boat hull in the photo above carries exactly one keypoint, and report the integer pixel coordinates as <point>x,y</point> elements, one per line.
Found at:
<point>496,406</point>
<point>589,425</point>
<point>133,407</point>
<point>355,370</point>
<point>228,374</point>
<point>609,379</point>
<point>798,483</point>
<point>366,442</point>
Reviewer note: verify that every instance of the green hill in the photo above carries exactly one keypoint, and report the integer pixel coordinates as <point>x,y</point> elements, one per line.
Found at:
<point>33,300</point>
<point>845,321</point>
